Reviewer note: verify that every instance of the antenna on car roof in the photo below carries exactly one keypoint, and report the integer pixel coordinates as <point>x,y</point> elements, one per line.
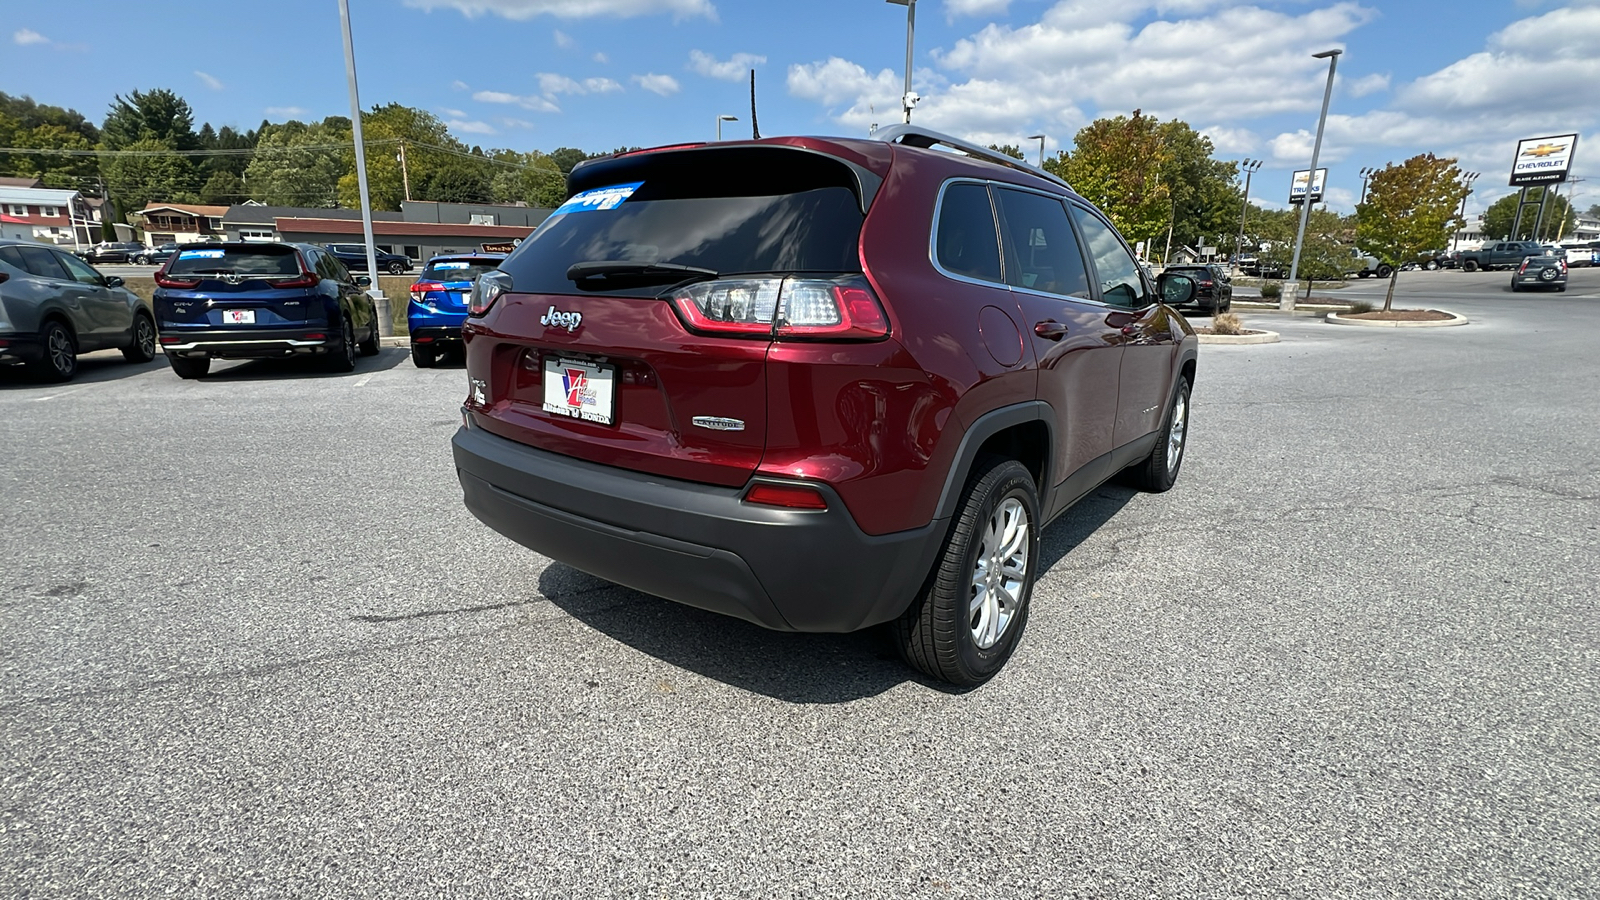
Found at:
<point>917,136</point>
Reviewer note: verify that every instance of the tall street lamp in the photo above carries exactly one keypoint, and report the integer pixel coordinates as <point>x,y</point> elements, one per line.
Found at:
<point>1287,302</point>
<point>1040,139</point>
<point>724,118</point>
<point>381,303</point>
<point>909,99</point>
<point>1366,176</point>
<point>1467,178</point>
<point>1250,168</point>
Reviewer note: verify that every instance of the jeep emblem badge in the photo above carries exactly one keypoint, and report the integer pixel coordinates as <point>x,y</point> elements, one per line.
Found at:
<point>558,319</point>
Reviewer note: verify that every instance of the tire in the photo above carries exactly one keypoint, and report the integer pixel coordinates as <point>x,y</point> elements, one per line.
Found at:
<point>968,618</point>
<point>1158,472</point>
<point>1432,265</point>
<point>143,347</point>
<point>372,345</point>
<point>1385,271</point>
<point>190,367</point>
<point>1363,274</point>
<point>60,360</point>
<point>1515,287</point>
<point>342,357</point>
<point>395,268</point>
<point>424,357</point>
<point>1470,265</point>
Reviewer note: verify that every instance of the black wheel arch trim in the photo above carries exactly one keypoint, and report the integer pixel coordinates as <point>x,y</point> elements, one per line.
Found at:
<point>987,426</point>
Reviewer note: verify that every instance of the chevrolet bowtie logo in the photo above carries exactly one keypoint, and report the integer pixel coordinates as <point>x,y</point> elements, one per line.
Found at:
<point>1544,150</point>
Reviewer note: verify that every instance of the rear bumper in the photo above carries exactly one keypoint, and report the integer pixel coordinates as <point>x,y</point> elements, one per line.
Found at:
<point>254,343</point>
<point>21,348</point>
<point>695,544</point>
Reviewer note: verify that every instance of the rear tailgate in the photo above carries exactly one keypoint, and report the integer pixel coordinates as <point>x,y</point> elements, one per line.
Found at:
<point>607,369</point>
<point>237,288</point>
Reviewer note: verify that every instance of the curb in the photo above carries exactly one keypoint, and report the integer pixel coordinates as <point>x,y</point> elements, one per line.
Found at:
<point>1457,319</point>
<point>1265,337</point>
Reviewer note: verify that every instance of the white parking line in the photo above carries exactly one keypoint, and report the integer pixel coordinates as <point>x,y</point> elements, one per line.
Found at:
<point>361,382</point>
<point>61,394</point>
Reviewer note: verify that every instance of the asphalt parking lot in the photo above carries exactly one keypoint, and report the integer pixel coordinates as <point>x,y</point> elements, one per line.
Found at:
<point>255,646</point>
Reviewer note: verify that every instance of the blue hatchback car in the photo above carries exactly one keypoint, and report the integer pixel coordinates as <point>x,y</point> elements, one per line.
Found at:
<point>439,303</point>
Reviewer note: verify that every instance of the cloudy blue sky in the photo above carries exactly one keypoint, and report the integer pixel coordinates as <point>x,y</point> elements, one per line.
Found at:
<point>1464,78</point>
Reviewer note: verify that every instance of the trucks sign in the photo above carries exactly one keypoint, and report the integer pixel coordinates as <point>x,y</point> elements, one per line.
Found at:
<point>1297,187</point>
<point>1543,160</point>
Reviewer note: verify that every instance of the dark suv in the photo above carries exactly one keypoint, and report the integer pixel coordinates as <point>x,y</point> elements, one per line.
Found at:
<point>354,257</point>
<point>1214,289</point>
<point>820,384</point>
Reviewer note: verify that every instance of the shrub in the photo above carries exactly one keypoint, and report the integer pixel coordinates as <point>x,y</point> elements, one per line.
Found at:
<point>1360,306</point>
<point>1226,323</point>
<point>1272,289</point>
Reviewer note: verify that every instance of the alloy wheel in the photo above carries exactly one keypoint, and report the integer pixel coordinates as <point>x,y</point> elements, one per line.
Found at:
<point>1000,575</point>
<point>61,352</point>
<point>145,334</point>
<point>1177,432</point>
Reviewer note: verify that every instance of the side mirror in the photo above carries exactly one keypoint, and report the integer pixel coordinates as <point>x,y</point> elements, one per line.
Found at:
<point>114,281</point>
<point>1176,289</point>
<point>363,281</point>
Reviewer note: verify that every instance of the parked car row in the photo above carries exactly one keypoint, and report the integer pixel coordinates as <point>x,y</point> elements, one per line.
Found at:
<point>353,256</point>
<point>54,306</point>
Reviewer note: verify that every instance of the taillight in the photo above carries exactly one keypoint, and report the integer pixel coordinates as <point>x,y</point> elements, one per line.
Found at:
<point>1523,267</point>
<point>167,281</point>
<point>486,290</point>
<point>787,496</point>
<point>784,308</point>
<point>306,280</point>
<point>423,287</point>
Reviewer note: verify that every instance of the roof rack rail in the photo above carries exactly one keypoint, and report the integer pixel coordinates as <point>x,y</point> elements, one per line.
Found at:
<point>917,136</point>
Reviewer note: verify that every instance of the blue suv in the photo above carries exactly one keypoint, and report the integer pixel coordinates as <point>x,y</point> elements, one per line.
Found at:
<point>439,303</point>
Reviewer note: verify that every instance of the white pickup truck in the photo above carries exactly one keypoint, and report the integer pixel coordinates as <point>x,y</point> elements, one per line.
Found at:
<point>1365,265</point>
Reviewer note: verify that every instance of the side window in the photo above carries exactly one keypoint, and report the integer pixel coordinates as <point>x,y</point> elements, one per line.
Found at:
<point>321,263</point>
<point>965,242</point>
<point>43,263</point>
<point>337,270</point>
<point>12,256</point>
<point>79,270</point>
<point>1041,252</point>
<point>1120,281</point>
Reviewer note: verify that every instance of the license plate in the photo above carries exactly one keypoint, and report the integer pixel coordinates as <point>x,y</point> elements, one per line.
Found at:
<point>238,317</point>
<point>582,390</point>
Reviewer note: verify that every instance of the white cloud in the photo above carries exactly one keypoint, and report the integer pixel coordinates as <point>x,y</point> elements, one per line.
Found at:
<point>1367,84</point>
<point>26,36</point>
<point>551,84</point>
<point>563,40</point>
<point>953,8</point>
<point>601,57</point>
<point>731,69</point>
<point>533,102</point>
<point>453,113</point>
<point>472,127</point>
<point>288,112</point>
<point>571,9</point>
<point>1231,140</point>
<point>665,85</point>
<point>458,85</point>
<point>509,122</point>
<point>210,81</point>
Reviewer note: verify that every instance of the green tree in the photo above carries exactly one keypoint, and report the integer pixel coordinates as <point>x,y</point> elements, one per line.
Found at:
<point>567,157</point>
<point>25,123</point>
<point>1116,164</point>
<point>1501,215</point>
<point>1594,211</point>
<point>159,115</point>
<point>296,164</point>
<point>153,175</point>
<point>429,147</point>
<point>1205,194</point>
<point>1011,150</point>
<point>462,182</point>
<point>223,188</point>
<point>1410,210</point>
<point>536,181</point>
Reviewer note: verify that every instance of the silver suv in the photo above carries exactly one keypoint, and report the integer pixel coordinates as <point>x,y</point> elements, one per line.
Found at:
<point>54,306</point>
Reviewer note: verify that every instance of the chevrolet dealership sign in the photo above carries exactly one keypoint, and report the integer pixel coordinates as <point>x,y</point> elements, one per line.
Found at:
<point>1543,160</point>
<point>1297,186</point>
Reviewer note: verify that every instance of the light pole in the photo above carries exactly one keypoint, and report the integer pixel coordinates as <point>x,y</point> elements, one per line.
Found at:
<point>724,118</point>
<point>1366,176</point>
<point>380,302</point>
<point>909,99</point>
<point>1040,139</point>
<point>1250,168</point>
<point>1287,302</point>
<point>1466,183</point>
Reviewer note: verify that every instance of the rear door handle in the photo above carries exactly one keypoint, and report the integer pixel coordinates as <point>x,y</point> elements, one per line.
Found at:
<point>1050,330</point>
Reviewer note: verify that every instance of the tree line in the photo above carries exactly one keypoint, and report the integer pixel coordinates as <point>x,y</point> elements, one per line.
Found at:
<point>291,163</point>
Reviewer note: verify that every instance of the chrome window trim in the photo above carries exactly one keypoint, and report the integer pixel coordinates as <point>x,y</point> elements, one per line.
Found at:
<point>933,237</point>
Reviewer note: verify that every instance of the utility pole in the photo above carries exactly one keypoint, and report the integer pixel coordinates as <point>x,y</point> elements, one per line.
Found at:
<point>1287,301</point>
<point>405,177</point>
<point>1366,176</point>
<point>1562,231</point>
<point>909,99</point>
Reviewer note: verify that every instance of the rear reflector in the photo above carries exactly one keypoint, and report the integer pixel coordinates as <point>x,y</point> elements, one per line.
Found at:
<point>788,496</point>
<point>169,340</point>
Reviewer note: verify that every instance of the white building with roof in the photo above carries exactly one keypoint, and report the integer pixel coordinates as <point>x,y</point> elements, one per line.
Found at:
<point>55,215</point>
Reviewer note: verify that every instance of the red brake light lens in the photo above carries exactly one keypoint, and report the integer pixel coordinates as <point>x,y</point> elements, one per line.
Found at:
<point>423,287</point>
<point>783,308</point>
<point>167,281</point>
<point>787,496</point>
<point>486,290</point>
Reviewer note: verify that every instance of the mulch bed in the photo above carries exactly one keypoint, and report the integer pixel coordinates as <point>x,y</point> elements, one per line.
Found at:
<point>1402,315</point>
<point>1210,330</point>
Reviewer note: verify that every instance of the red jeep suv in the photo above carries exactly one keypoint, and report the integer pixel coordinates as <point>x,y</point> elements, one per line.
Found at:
<point>820,384</point>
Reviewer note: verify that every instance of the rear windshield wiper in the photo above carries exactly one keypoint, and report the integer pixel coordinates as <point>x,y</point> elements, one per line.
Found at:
<point>637,272</point>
